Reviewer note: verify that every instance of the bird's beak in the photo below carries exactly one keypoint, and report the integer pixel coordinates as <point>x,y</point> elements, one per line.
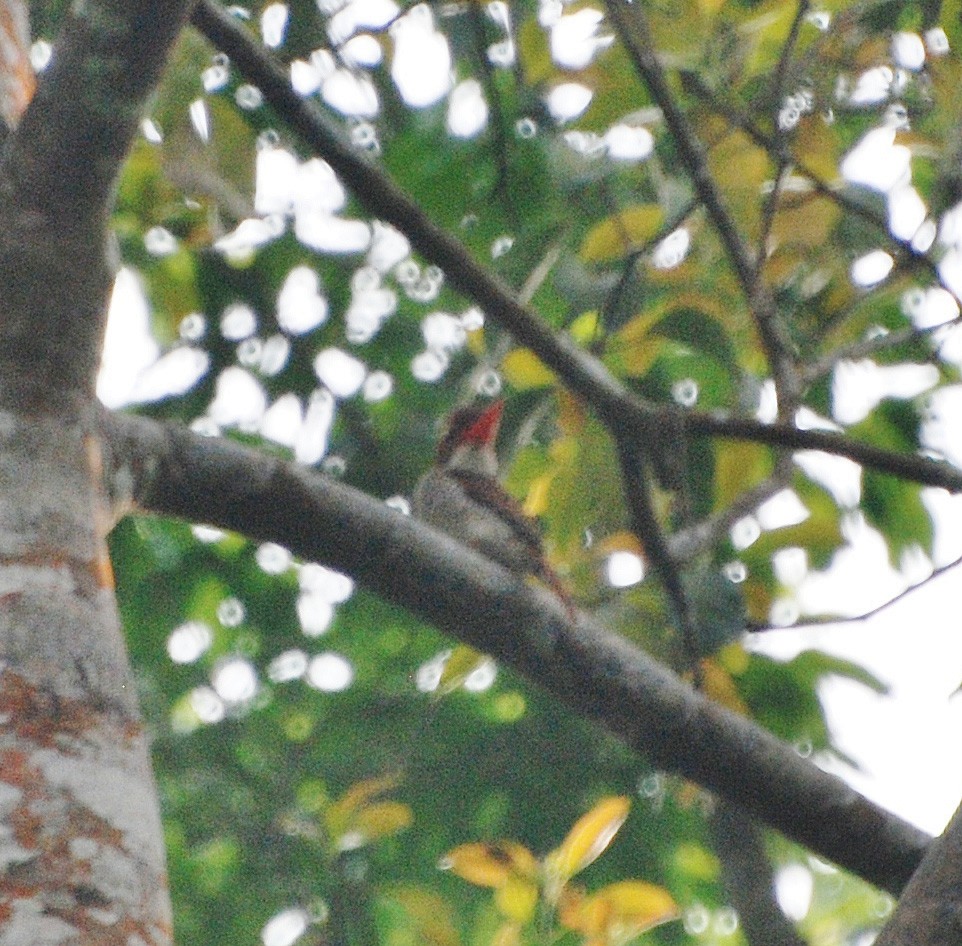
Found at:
<point>485,428</point>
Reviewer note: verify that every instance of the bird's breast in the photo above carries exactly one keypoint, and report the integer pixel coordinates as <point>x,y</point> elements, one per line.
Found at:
<point>445,503</point>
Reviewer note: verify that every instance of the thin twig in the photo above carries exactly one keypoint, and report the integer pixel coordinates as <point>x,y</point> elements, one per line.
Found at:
<point>500,141</point>
<point>827,619</point>
<point>769,210</point>
<point>614,298</point>
<point>781,70</point>
<point>866,347</point>
<point>645,525</point>
<point>782,163</point>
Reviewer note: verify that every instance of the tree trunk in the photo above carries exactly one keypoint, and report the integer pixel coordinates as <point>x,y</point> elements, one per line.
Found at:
<point>81,846</point>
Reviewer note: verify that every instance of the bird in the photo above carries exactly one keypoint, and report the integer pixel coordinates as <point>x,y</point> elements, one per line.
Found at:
<point>461,495</point>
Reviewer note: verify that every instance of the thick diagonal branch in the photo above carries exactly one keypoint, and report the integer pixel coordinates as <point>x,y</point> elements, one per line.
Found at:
<point>596,672</point>
<point>930,911</point>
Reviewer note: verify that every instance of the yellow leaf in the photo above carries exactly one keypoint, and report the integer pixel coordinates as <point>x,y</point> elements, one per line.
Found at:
<point>634,348</point>
<point>523,370</point>
<point>621,911</point>
<point>571,414</point>
<point>623,541</point>
<point>490,865</point>
<point>535,53</point>
<point>737,467</point>
<point>509,934</point>
<point>570,905</point>
<point>477,342</point>
<point>536,502</point>
<point>584,329</point>
<point>312,795</point>
<point>516,899</point>
<point>818,144</point>
<point>429,914</point>
<point>740,168</point>
<point>589,837</point>
<point>617,236</point>
<point>383,818</point>
<point>758,600</point>
<point>805,221</point>
<point>734,658</point>
<point>358,795</point>
<point>458,667</point>
<point>699,864</point>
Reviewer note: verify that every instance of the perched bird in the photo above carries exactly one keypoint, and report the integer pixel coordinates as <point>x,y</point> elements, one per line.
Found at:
<point>461,495</point>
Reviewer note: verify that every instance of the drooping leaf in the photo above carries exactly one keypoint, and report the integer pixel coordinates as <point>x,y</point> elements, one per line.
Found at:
<point>782,696</point>
<point>739,466</point>
<point>896,509</point>
<point>524,370</point>
<point>517,899</point>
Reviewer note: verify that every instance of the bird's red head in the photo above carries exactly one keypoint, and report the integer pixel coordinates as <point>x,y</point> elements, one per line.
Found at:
<point>477,425</point>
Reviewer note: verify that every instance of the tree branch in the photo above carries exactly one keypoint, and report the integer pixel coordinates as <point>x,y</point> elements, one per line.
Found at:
<point>747,875</point>
<point>644,523</point>
<point>866,347</point>
<point>821,621</point>
<point>600,675</point>
<point>690,541</point>
<point>911,467</point>
<point>788,50</point>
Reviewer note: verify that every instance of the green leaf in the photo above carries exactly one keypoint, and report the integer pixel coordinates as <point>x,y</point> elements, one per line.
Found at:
<point>701,332</point>
<point>739,465</point>
<point>783,696</point>
<point>896,509</point>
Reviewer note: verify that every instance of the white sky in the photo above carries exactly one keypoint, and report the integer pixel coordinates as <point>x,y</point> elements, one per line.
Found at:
<point>907,742</point>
